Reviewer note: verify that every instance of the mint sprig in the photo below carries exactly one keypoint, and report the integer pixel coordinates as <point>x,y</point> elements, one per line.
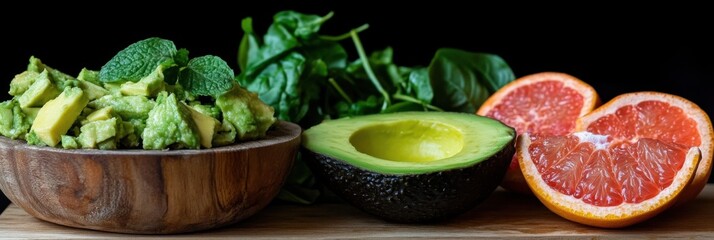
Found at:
<point>207,76</point>
<point>137,60</point>
<point>181,57</point>
<point>201,76</point>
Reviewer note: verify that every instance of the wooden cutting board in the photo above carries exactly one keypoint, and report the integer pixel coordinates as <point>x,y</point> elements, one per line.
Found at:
<point>503,215</point>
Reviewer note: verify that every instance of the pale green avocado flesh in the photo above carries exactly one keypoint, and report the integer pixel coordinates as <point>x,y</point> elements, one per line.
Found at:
<point>410,142</point>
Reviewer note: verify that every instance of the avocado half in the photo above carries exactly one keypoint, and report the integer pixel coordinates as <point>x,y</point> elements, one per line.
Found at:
<point>411,166</point>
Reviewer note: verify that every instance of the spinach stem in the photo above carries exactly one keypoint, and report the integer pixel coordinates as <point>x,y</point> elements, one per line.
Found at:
<point>414,100</point>
<point>344,36</point>
<point>349,79</point>
<point>327,17</point>
<point>368,69</point>
<point>339,90</point>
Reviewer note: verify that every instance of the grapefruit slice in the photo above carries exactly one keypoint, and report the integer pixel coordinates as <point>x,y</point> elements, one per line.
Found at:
<point>660,116</point>
<point>603,181</point>
<point>545,103</point>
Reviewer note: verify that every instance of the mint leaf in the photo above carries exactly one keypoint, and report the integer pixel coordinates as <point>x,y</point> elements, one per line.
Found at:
<point>207,76</point>
<point>181,57</point>
<point>137,60</point>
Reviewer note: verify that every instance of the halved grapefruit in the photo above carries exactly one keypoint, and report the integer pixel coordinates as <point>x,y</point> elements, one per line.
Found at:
<point>545,103</point>
<point>661,116</point>
<point>603,181</point>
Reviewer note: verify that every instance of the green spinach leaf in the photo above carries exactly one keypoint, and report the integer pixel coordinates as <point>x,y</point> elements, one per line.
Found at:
<point>380,62</point>
<point>463,80</point>
<point>249,49</point>
<point>404,107</point>
<point>363,107</point>
<point>302,25</point>
<point>288,31</point>
<point>420,86</point>
<point>279,86</point>
<point>277,42</point>
<point>331,53</point>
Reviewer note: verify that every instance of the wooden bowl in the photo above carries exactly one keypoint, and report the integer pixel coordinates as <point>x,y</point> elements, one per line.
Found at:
<point>148,191</point>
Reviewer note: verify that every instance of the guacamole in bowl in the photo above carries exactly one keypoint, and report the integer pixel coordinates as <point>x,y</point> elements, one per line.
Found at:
<point>149,96</point>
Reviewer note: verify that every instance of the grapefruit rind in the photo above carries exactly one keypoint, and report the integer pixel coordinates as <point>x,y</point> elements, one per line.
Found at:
<point>590,97</point>
<point>623,215</point>
<point>704,126</point>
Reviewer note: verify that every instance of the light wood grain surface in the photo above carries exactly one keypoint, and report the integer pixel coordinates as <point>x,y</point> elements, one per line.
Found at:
<point>503,215</point>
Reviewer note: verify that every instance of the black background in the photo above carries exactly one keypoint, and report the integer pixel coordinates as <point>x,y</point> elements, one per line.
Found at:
<point>615,48</point>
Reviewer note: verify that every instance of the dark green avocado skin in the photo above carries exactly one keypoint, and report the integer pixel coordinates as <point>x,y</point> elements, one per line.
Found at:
<point>414,198</point>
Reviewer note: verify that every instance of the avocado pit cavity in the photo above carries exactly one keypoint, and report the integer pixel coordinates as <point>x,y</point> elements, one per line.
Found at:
<point>408,141</point>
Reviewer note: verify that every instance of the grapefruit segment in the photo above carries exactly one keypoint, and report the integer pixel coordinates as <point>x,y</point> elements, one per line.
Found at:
<point>547,103</point>
<point>660,116</point>
<point>602,181</point>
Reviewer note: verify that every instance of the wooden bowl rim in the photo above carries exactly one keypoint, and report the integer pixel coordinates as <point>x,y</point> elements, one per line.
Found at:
<point>281,132</point>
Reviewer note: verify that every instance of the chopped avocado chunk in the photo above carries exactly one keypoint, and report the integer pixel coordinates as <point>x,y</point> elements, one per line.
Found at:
<point>14,123</point>
<point>107,145</point>
<point>146,86</point>
<point>58,77</point>
<point>31,113</point>
<point>35,65</point>
<point>113,88</point>
<point>250,116</point>
<point>124,129</point>
<point>89,76</point>
<point>101,114</point>
<point>92,90</point>
<point>96,132</point>
<point>226,134</point>
<point>129,137</point>
<point>138,125</point>
<point>128,107</point>
<point>22,82</point>
<point>6,115</point>
<point>206,126</point>
<point>181,93</point>
<point>210,110</point>
<point>32,139</point>
<point>170,124</point>
<point>40,92</point>
<point>69,142</point>
<point>57,116</point>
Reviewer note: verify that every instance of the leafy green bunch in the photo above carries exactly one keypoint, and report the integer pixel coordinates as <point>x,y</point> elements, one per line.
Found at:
<point>308,78</point>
